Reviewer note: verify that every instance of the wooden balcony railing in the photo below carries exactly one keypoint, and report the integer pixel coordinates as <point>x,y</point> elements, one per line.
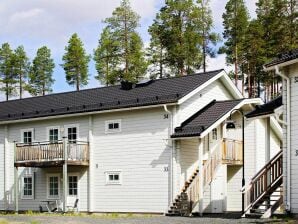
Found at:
<point>232,152</point>
<point>52,151</point>
<point>209,168</point>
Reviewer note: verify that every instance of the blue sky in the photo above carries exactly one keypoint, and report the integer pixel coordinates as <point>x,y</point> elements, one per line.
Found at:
<point>35,23</point>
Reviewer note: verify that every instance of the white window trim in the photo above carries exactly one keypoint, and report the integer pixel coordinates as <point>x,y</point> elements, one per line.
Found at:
<point>78,187</point>
<point>53,127</point>
<point>113,172</point>
<point>48,188</point>
<point>26,197</point>
<point>111,131</point>
<point>27,130</point>
<point>72,126</point>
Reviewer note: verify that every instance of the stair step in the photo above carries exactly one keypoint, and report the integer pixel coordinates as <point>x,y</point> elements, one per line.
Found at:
<point>253,215</point>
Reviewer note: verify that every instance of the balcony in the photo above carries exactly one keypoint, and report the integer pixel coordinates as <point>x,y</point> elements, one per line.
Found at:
<point>232,152</point>
<point>49,154</point>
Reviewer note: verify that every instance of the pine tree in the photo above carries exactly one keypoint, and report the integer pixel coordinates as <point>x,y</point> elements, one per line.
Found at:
<point>131,64</point>
<point>106,58</point>
<point>8,78</point>
<point>181,36</point>
<point>40,76</point>
<point>255,57</point>
<point>235,21</point>
<point>76,63</point>
<point>21,66</point>
<point>205,18</point>
<point>156,52</point>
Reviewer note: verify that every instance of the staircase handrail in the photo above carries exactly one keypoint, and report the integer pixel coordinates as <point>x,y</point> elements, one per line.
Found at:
<point>247,191</point>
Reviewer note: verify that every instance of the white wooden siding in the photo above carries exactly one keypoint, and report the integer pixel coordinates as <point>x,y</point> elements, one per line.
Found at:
<point>293,72</point>
<point>142,155</point>
<point>234,185</point>
<point>215,90</point>
<point>2,207</point>
<point>260,143</point>
<point>189,150</point>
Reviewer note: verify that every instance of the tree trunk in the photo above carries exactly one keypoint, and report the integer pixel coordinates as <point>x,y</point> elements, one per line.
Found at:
<point>78,82</point>
<point>6,92</point>
<point>21,87</point>
<point>126,47</point>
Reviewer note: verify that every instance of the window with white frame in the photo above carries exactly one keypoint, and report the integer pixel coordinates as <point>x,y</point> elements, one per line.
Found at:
<point>53,133</point>
<point>72,134</point>
<point>73,185</point>
<point>27,136</point>
<point>53,186</point>
<point>28,187</point>
<point>214,134</point>
<point>113,126</point>
<point>113,177</point>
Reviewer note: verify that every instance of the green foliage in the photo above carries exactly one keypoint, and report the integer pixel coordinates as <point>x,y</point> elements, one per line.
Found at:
<point>76,63</point>
<point>181,37</point>
<point>235,22</point>
<point>40,76</point>
<point>106,58</point>
<point>127,55</point>
<point>7,75</point>
<point>204,17</point>
<point>156,52</point>
<point>21,67</point>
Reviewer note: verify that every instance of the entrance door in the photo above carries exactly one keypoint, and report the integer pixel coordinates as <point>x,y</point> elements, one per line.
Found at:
<point>217,192</point>
<point>73,189</point>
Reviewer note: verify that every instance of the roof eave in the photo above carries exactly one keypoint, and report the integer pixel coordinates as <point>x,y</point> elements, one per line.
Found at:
<point>282,64</point>
<point>84,113</point>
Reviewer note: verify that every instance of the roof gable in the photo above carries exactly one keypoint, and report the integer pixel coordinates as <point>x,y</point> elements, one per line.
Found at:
<point>203,119</point>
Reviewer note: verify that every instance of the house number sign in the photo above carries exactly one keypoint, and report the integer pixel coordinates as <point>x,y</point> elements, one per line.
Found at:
<point>295,79</point>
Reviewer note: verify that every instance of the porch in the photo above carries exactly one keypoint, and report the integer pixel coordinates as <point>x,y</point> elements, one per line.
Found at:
<point>63,155</point>
<point>49,154</point>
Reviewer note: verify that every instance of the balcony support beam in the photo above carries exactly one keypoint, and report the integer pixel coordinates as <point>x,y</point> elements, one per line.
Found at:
<point>65,174</point>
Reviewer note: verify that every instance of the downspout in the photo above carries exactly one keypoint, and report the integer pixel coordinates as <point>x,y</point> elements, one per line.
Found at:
<point>172,149</point>
<point>278,72</point>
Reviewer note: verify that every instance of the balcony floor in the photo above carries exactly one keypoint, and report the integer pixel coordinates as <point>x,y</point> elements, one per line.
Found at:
<point>52,163</point>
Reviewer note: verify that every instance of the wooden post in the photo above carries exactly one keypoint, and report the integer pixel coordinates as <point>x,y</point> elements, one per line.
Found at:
<point>16,183</point>
<point>91,166</point>
<point>201,176</point>
<point>65,157</point>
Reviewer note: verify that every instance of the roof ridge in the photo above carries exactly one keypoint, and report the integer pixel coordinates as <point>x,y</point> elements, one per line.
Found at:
<point>103,87</point>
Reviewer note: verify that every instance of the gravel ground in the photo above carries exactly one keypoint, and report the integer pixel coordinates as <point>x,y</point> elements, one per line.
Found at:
<point>114,219</point>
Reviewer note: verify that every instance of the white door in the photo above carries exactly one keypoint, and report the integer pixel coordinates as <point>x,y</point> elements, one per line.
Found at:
<point>73,189</point>
<point>217,193</point>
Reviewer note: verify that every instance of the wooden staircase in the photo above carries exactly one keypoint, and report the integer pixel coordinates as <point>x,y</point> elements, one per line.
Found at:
<point>188,197</point>
<point>264,195</point>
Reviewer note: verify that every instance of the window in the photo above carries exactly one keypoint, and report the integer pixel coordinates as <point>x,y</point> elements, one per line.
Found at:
<point>28,187</point>
<point>27,136</point>
<point>73,185</point>
<point>53,186</point>
<point>72,134</point>
<point>53,133</point>
<point>214,134</point>
<point>113,177</point>
<point>113,126</point>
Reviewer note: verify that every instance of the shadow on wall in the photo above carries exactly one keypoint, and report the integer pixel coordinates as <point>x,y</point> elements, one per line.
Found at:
<point>8,201</point>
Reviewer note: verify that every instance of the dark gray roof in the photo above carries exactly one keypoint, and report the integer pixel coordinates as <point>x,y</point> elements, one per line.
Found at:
<point>283,57</point>
<point>106,98</point>
<point>265,109</point>
<point>204,118</point>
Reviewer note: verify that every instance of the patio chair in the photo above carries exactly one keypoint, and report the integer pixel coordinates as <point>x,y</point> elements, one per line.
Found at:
<point>73,208</point>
